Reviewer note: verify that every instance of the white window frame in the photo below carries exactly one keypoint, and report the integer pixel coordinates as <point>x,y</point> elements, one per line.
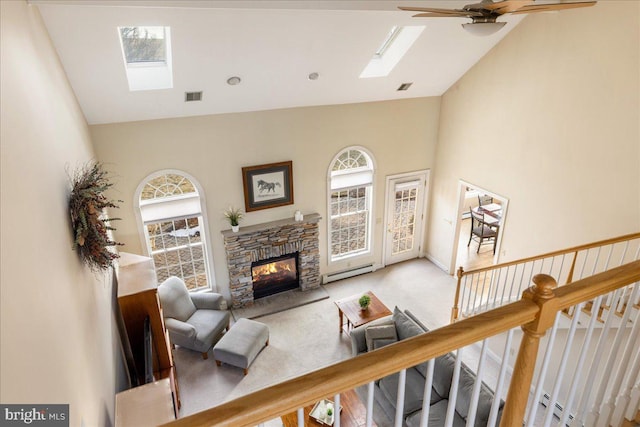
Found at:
<point>353,178</point>
<point>175,213</point>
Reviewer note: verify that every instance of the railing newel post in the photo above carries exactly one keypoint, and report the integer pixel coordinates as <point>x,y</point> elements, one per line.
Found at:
<point>541,294</point>
<point>454,309</point>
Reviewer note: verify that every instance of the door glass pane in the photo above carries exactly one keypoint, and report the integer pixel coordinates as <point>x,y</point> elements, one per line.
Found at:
<point>404,217</point>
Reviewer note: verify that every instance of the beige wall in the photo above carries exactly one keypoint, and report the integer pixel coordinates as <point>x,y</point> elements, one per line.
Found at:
<point>549,119</point>
<point>400,134</point>
<point>57,340</point>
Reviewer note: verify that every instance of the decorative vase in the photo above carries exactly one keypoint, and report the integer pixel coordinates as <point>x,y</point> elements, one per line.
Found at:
<point>235,228</point>
<point>298,216</point>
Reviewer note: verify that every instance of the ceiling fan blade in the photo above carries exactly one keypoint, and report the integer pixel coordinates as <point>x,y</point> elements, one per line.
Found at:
<point>430,10</point>
<point>551,7</point>
<point>506,6</point>
<point>442,15</point>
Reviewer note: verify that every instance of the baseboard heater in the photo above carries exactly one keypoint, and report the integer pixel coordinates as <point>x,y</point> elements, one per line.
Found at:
<point>328,278</point>
<point>557,409</point>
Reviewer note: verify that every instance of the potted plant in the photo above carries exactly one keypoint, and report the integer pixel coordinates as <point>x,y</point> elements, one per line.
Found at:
<point>234,215</point>
<point>364,301</point>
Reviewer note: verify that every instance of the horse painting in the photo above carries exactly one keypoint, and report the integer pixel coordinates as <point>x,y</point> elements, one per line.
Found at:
<point>267,186</point>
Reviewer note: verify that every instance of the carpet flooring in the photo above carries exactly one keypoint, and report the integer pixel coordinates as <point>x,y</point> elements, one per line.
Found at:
<point>307,337</point>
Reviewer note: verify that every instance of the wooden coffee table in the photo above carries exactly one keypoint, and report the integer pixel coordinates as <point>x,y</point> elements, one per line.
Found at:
<point>349,310</point>
<point>353,414</point>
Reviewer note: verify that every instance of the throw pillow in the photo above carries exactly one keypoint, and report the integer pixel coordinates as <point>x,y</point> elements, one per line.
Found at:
<point>373,334</point>
<point>406,327</point>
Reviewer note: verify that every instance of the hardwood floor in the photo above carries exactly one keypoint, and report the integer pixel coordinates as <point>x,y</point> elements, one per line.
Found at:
<point>467,256</point>
<point>353,413</point>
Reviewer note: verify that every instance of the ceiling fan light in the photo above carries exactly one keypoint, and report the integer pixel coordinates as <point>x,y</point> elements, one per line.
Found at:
<point>483,28</point>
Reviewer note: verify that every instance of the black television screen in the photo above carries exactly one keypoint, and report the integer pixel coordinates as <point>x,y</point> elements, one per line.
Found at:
<point>148,352</point>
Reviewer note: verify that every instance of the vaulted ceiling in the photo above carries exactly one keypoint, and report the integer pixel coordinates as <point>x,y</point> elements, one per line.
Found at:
<point>272,46</point>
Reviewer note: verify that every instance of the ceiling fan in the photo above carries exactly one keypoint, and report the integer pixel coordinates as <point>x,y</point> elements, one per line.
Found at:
<point>483,15</point>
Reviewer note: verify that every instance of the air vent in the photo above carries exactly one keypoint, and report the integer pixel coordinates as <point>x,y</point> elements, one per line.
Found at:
<point>192,96</point>
<point>404,86</point>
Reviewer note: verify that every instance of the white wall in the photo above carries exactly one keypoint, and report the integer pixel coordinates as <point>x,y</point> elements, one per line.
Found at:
<point>57,340</point>
<point>400,134</point>
<point>549,119</point>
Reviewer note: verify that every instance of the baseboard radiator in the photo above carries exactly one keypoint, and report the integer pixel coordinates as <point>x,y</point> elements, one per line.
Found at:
<point>558,409</point>
<point>332,277</point>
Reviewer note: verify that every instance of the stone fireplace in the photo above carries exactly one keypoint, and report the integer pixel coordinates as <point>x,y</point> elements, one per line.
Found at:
<point>291,244</point>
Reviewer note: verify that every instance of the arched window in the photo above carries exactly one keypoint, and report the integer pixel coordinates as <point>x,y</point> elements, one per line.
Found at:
<point>174,227</point>
<point>350,193</point>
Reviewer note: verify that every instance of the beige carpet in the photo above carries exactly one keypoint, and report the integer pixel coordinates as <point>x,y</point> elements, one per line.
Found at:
<point>306,338</point>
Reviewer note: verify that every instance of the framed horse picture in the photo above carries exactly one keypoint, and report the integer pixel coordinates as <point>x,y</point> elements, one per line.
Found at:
<point>267,186</point>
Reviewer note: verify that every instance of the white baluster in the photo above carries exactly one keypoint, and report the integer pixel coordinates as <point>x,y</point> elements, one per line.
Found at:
<point>563,363</point>
<point>581,414</point>
<point>475,393</point>
<point>402,380</point>
<point>453,392</point>
<point>336,410</point>
<point>426,397</point>
<point>583,355</point>
<point>493,415</point>
<point>623,367</point>
<point>301,417</point>
<point>370,391</point>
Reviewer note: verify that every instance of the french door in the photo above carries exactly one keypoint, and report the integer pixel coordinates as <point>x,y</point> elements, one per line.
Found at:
<point>405,216</point>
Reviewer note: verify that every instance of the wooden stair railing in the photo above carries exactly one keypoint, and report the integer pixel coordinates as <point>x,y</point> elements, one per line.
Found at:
<point>488,285</point>
<point>535,312</point>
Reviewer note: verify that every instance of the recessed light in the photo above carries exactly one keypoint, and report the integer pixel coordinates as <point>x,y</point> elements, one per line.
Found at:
<point>234,80</point>
<point>314,76</point>
<point>404,86</point>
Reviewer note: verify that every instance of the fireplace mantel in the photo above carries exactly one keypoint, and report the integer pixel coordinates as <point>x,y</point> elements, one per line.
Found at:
<point>271,239</point>
<point>309,218</point>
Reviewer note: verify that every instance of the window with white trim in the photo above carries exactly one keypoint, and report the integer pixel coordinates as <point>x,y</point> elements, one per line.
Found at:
<point>350,194</point>
<point>173,225</point>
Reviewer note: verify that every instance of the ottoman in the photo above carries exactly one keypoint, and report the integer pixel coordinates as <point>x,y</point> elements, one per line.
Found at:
<point>241,344</point>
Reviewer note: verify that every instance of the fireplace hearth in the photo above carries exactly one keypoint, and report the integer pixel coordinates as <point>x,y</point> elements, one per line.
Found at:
<point>274,275</point>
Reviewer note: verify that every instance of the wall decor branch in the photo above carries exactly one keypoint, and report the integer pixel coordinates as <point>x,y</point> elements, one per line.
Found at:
<point>91,226</point>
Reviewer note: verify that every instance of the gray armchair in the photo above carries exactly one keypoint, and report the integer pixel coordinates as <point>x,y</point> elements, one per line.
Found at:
<point>194,320</point>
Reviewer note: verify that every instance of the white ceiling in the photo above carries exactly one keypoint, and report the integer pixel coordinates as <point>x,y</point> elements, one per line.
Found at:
<point>271,45</point>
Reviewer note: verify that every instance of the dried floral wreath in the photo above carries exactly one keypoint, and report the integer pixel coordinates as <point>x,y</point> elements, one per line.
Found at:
<point>90,227</point>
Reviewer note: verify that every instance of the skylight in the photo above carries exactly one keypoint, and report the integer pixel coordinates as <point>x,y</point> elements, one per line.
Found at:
<point>146,52</point>
<point>393,48</point>
<point>143,44</point>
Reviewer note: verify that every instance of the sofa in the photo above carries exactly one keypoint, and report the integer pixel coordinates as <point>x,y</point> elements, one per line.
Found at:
<point>402,325</point>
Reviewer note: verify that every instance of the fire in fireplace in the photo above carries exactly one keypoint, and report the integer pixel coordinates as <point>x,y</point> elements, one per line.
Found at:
<point>274,275</point>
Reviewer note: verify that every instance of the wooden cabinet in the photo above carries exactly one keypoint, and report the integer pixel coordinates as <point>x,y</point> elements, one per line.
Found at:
<point>138,299</point>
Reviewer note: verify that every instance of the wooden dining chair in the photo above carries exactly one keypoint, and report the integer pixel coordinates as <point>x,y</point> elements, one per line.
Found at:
<point>484,200</point>
<point>481,231</point>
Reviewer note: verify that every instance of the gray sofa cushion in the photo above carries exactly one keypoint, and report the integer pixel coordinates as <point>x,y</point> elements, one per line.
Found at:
<point>357,335</point>
<point>405,326</point>
<point>437,416</point>
<point>373,334</point>
<point>414,390</point>
<point>465,391</point>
